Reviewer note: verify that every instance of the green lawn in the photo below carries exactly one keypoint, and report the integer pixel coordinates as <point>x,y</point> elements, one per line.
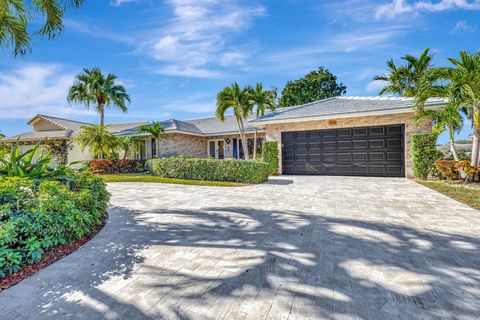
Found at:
<point>156,179</point>
<point>468,194</point>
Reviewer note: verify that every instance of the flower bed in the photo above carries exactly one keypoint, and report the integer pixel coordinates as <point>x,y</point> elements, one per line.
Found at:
<point>117,166</point>
<point>452,170</point>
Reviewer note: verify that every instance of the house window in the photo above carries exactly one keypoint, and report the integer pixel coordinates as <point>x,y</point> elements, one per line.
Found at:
<point>153,143</point>
<point>216,149</point>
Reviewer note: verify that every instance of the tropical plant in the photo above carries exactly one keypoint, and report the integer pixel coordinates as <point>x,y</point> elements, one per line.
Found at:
<point>240,101</point>
<point>316,85</point>
<point>156,130</point>
<point>33,164</point>
<point>448,118</point>
<point>93,87</point>
<point>464,91</point>
<point>126,143</point>
<point>98,139</point>
<point>263,100</point>
<point>16,16</point>
<point>405,80</point>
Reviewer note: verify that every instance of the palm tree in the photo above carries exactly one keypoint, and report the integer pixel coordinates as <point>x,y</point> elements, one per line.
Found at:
<point>93,87</point>
<point>126,144</point>
<point>263,100</point>
<point>240,101</point>
<point>156,130</point>
<point>405,80</point>
<point>98,139</point>
<point>448,118</point>
<point>464,80</point>
<point>15,16</point>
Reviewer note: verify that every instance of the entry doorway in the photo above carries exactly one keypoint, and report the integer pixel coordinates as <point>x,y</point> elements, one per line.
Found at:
<point>216,149</point>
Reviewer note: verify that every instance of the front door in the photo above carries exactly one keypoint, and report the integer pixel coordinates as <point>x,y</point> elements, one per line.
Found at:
<point>216,149</point>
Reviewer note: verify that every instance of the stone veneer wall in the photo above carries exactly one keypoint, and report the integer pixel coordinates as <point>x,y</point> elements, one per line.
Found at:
<point>274,131</point>
<point>183,144</point>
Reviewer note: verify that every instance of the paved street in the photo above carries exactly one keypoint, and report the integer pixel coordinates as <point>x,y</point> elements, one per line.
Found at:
<point>294,248</point>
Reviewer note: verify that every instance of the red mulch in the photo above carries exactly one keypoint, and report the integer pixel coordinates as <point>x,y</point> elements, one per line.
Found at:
<point>53,254</point>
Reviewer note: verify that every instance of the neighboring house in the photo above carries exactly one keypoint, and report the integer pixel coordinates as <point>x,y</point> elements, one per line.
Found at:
<point>363,136</point>
<point>445,148</point>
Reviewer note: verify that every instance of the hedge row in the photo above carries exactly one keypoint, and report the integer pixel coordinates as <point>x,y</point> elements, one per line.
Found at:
<point>34,218</point>
<point>424,154</point>
<point>117,166</point>
<point>270,156</point>
<point>242,171</point>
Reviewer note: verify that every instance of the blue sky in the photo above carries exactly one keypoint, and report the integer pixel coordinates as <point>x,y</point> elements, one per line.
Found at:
<point>173,56</point>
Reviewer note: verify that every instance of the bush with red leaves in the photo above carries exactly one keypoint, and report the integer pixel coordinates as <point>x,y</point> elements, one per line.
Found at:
<point>117,166</point>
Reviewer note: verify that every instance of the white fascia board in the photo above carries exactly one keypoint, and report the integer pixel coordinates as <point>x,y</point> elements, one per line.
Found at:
<point>342,115</point>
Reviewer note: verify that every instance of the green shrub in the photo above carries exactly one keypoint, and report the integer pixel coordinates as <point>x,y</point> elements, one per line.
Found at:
<point>41,216</point>
<point>244,171</point>
<point>424,154</point>
<point>270,156</point>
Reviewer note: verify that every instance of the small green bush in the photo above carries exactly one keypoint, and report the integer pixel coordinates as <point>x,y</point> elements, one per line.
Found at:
<point>424,154</point>
<point>36,217</point>
<point>243,171</point>
<point>270,156</point>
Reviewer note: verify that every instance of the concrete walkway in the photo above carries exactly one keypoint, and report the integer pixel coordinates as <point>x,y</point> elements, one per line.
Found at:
<point>295,248</point>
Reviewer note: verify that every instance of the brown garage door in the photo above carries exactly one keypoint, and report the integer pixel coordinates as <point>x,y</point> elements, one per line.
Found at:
<point>367,151</point>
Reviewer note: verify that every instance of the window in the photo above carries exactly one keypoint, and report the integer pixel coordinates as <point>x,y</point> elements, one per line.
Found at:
<point>238,148</point>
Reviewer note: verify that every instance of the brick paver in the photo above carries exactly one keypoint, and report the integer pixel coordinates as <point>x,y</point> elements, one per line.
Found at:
<point>295,248</point>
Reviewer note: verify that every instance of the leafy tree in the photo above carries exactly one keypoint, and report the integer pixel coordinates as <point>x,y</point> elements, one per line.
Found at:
<point>156,130</point>
<point>98,139</point>
<point>16,16</point>
<point>448,118</point>
<point>240,101</point>
<point>263,100</point>
<point>93,87</point>
<point>2,135</point>
<point>316,85</point>
<point>407,80</point>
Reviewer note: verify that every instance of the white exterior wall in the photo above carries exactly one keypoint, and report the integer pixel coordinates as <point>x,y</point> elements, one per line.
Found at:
<point>76,153</point>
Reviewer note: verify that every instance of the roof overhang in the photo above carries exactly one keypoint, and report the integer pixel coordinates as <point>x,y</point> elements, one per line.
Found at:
<point>259,123</point>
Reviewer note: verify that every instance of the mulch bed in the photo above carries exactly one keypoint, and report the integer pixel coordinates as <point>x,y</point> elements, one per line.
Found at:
<point>53,254</point>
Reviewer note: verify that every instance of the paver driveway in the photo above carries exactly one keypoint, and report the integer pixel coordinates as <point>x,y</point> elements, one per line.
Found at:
<point>297,248</point>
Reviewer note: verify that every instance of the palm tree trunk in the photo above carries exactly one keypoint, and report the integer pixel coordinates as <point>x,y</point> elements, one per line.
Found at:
<point>101,108</point>
<point>242,138</point>
<point>158,146</point>
<point>476,137</point>
<point>255,145</point>
<point>452,144</point>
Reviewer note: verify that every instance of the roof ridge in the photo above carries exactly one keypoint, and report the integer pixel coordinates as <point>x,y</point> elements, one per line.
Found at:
<point>58,118</point>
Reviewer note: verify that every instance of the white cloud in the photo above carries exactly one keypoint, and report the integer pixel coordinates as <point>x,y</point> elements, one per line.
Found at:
<point>396,8</point>
<point>463,26</point>
<point>375,86</point>
<point>196,41</point>
<point>36,88</point>
<point>117,3</point>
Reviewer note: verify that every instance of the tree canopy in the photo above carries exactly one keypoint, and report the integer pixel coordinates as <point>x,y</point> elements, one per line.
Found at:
<point>17,15</point>
<point>316,85</point>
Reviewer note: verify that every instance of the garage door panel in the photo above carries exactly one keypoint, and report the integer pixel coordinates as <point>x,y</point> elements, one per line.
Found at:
<point>369,151</point>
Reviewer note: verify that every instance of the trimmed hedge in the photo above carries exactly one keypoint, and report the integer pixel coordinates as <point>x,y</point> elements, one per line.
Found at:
<point>117,166</point>
<point>424,154</point>
<point>34,218</point>
<point>270,156</point>
<point>243,171</point>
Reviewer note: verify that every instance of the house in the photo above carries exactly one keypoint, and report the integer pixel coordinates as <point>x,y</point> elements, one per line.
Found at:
<point>361,136</point>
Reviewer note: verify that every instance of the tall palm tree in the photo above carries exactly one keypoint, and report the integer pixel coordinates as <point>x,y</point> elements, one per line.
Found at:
<point>464,80</point>
<point>16,15</point>
<point>404,80</point>
<point>98,139</point>
<point>240,101</point>
<point>449,118</point>
<point>263,100</point>
<point>156,130</point>
<point>93,87</point>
